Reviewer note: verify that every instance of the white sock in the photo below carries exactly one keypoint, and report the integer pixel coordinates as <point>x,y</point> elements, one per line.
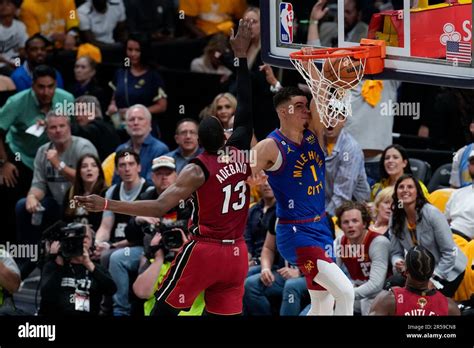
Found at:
<point>322,303</point>
<point>331,277</point>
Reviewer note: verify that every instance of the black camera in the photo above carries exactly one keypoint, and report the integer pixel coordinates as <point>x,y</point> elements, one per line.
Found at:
<point>70,237</point>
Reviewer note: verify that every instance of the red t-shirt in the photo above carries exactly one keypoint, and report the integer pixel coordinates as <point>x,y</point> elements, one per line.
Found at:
<point>408,303</point>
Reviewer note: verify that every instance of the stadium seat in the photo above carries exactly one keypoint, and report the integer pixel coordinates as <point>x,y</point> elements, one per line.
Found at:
<point>421,169</point>
<point>440,178</point>
<point>440,197</point>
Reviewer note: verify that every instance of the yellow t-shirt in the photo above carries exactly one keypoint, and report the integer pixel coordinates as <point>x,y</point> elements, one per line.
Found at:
<point>48,16</point>
<point>214,15</point>
<point>379,186</point>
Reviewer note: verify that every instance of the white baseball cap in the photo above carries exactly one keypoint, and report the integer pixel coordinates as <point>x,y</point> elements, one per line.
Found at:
<point>163,161</point>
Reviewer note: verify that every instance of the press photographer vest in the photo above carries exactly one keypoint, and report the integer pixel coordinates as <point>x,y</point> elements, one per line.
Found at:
<point>121,220</point>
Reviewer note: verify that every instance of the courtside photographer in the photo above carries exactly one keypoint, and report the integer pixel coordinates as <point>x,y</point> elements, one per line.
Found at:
<point>72,284</point>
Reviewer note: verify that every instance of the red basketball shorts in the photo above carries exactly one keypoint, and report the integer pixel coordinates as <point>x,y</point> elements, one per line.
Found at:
<point>217,268</point>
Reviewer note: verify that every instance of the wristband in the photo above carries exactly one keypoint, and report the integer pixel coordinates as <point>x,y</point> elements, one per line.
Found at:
<point>276,87</point>
<point>106,204</point>
<point>265,269</point>
<point>314,21</point>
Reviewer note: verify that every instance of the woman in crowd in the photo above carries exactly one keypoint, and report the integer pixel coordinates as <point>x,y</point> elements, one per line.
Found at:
<point>85,70</point>
<point>137,83</point>
<point>416,222</point>
<point>89,180</point>
<point>382,211</point>
<point>393,164</point>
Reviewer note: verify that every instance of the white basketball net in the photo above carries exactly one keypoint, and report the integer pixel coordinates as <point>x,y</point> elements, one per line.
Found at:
<point>332,98</point>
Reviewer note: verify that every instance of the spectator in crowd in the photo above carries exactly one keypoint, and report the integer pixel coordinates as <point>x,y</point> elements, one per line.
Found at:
<point>111,233</point>
<point>138,120</point>
<point>326,33</point>
<point>420,267</point>
<point>210,62</point>
<point>9,281</point>
<point>258,223</point>
<point>345,172</point>
<point>100,19</point>
<point>89,180</point>
<point>91,125</point>
<point>460,207</point>
<point>51,18</point>
<point>35,49</point>
<point>275,279</point>
<point>6,84</point>
<point>223,107</point>
<point>459,212</point>
<point>85,70</point>
<point>18,148</point>
<point>460,175</point>
<point>416,222</point>
<point>12,37</point>
<point>364,254</point>
<point>204,17</point>
<point>75,286</point>
<point>156,18</point>
<point>382,211</point>
<point>124,263</point>
<point>138,83</point>
<point>188,145</point>
<point>393,163</point>
<point>54,172</point>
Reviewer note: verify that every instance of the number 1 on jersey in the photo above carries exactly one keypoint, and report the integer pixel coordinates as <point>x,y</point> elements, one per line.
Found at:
<point>228,193</point>
<point>315,175</point>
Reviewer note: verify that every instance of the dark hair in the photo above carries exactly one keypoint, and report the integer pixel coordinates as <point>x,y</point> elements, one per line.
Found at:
<point>79,183</point>
<point>351,205</point>
<point>42,71</point>
<point>187,119</point>
<point>37,36</point>
<point>146,58</point>
<point>285,95</point>
<point>125,153</point>
<point>398,212</point>
<point>211,134</point>
<point>420,263</point>
<point>403,152</point>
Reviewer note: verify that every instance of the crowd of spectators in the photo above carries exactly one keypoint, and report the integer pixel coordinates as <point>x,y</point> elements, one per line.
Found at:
<point>96,128</point>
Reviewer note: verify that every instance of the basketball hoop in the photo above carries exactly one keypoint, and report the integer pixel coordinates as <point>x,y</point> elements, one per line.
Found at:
<point>342,69</point>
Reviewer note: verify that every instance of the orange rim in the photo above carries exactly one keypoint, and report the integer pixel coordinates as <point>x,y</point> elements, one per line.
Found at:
<point>322,53</point>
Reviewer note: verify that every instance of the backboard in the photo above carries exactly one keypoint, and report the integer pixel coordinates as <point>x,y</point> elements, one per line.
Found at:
<point>428,41</point>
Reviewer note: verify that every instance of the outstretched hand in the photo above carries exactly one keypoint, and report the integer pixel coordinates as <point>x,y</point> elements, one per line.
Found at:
<point>92,203</point>
<point>319,10</point>
<point>240,43</point>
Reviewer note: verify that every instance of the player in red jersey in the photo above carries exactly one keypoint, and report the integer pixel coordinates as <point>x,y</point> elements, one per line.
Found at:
<point>416,298</point>
<point>215,260</point>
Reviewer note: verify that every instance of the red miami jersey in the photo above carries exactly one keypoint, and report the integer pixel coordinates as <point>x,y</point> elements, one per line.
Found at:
<point>356,257</point>
<point>220,206</point>
<point>408,303</point>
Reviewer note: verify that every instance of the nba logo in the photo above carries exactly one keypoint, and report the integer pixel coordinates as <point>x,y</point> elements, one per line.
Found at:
<point>286,22</point>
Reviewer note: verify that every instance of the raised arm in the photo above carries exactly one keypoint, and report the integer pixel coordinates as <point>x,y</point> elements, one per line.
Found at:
<point>243,122</point>
<point>188,181</point>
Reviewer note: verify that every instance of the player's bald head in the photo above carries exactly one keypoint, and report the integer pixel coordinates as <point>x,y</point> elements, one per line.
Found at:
<point>211,134</point>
